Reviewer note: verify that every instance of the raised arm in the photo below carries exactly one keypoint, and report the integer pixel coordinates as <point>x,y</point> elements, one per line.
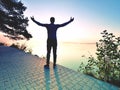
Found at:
<point>38,23</point>
<point>64,24</point>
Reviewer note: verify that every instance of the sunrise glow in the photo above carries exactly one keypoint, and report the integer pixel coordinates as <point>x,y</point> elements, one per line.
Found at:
<point>91,17</point>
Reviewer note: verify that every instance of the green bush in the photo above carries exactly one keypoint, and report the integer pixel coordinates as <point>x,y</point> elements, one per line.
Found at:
<point>107,64</point>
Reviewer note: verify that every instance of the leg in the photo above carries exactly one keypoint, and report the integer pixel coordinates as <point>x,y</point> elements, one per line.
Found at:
<point>54,53</point>
<point>48,53</point>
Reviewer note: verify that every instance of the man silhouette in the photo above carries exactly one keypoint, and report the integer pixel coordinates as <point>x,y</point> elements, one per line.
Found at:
<point>52,38</point>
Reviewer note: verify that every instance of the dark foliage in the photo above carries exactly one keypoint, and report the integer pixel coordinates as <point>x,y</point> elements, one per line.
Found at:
<point>1,44</point>
<point>12,20</point>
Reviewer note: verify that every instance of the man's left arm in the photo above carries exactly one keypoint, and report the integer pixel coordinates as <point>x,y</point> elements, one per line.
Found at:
<point>64,24</point>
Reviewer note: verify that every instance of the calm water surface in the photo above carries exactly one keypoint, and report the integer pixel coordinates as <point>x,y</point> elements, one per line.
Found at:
<point>69,54</point>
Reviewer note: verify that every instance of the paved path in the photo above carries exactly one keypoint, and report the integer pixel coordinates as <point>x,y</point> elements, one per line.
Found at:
<point>20,71</point>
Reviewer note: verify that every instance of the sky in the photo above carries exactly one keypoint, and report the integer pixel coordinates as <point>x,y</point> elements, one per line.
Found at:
<point>91,17</point>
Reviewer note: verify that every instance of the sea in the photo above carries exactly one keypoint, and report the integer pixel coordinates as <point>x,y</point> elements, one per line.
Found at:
<point>69,54</point>
<point>72,54</point>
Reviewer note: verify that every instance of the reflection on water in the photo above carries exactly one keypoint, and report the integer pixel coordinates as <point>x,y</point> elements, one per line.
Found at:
<point>70,54</point>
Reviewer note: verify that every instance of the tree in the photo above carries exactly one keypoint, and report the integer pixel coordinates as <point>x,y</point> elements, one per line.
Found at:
<point>12,20</point>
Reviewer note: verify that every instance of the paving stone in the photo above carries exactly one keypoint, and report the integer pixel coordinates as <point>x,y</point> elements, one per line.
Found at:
<point>21,73</point>
<point>2,88</point>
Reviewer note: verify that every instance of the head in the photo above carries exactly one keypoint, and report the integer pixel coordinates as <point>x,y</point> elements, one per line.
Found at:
<point>52,19</point>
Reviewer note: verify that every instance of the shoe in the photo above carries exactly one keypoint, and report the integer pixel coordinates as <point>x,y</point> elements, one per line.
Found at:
<point>46,66</point>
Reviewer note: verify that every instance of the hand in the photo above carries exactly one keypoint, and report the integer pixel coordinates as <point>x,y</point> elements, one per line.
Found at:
<point>71,19</point>
<point>32,18</point>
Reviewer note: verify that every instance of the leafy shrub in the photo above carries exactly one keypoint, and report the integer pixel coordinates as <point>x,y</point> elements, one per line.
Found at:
<point>107,65</point>
<point>1,44</point>
<point>22,47</point>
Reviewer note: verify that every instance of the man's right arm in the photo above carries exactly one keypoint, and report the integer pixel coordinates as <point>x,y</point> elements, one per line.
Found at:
<point>38,23</point>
